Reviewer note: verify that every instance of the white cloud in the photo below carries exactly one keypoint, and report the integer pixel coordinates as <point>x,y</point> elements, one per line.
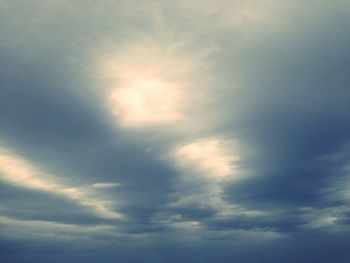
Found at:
<point>18,171</point>
<point>143,100</point>
<point>153,83</point>
<point>206,165</point>
<point>210,157</point>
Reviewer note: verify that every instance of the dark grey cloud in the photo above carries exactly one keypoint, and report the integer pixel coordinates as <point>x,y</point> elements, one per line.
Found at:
<point>295,112</point>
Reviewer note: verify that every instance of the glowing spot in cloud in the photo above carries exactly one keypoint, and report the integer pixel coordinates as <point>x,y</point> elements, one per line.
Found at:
<point>151,85</point>
<point>19,172</point>
<point>323,221</point>
<point>211,157</point>
<point>143,100</point>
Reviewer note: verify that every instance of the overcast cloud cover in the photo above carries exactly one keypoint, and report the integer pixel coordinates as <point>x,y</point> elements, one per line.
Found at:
<point>174,131</point>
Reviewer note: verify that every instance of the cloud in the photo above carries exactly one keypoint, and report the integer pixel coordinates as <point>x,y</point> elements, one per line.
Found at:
<point>39,230</point>
<point>19,172</point>
<point>151,83</point>
<point>208,156</point>
<point>105,185</point>
<point>200,124</point>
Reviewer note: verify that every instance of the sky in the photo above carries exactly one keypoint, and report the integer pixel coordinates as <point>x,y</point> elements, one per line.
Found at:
<point>174,131</point>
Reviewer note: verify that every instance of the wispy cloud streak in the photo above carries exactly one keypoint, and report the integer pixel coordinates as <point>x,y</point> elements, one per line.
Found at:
<point>19,172</point>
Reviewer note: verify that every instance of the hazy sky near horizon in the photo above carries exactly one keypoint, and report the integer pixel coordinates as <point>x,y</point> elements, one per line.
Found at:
<point>174,131</point>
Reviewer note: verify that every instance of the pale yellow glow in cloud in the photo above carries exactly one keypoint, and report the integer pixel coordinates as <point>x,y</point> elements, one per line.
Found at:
<point>17,171</point>
<point>323,221</point>
<point>145,100</point>
<point>211,157</point>
<point>150,84</point>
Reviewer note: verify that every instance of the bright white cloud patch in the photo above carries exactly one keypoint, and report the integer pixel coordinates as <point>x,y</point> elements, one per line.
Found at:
<point>211,157</point>
<point>19,172</point>
<point>151,84</point>
<point>146,100</point>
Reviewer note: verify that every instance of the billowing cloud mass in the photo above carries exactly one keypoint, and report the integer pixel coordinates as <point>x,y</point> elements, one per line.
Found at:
<point>174,131</point>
